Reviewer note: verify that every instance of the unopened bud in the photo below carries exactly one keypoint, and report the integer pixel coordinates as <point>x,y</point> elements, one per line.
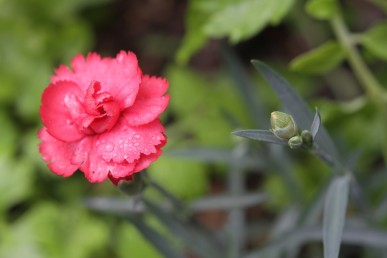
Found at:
<point>307,138</point>
<point>283,125</point>
<point>295,142</point>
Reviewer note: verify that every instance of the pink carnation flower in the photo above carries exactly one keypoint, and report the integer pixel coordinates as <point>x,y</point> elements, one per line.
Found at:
<point>101,117</point>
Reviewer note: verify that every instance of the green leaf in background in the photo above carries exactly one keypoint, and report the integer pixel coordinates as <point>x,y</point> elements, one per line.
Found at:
<point>322,9</point>
<point>334,215</point>
<point>194,37</point>
<point>374,40</point>
<point>242,19</point>
<point>319,60</point>
<point>382,4</point>
<point>238,20</point>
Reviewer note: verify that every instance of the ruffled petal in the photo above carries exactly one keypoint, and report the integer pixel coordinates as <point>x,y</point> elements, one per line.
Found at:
<point>150,102</point>
<point>146,160</point>
<point>97,169</point>
<point>126,143</point>
<point>121,170</point>
<point>119,76</point>
<point>145,111</point>
<point>94,168</point>
<point>57,154</point>
<point>60,110</point>
<point>152,87</point>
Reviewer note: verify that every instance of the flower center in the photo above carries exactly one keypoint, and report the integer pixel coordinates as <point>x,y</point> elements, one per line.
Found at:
<point>102,111</point>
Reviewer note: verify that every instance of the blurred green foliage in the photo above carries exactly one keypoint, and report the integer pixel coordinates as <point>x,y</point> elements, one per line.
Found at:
<point>40,213</point>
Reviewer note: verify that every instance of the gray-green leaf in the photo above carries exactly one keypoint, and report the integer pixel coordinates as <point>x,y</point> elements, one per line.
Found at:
<point>260,135</point>
<point>300,111</point>
<point>334,215</point>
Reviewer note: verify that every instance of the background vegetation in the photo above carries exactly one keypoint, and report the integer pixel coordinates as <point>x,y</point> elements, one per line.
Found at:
<point>248,194</point>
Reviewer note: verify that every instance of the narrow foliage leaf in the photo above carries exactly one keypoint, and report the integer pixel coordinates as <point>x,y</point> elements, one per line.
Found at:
<point>334,215</point>
<point>260,135</point>
<point>228,202</point>
<point>315,124</point>
<point>292,102</point>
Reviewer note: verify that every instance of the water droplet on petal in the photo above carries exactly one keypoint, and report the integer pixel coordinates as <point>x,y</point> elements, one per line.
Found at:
<point>109,147</point>
<point>137,136</point>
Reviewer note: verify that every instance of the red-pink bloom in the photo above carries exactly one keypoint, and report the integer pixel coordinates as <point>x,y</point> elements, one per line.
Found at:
<point>101,117</point>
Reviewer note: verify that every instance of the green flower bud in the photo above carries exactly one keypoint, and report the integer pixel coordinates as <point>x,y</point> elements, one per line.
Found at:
<point>295,142</point>
<point>307,138</point>
<point>283,125</point>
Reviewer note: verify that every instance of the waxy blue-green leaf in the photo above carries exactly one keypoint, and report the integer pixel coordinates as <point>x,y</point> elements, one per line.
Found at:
<point>293,103</point>
<point>374,40</point>
<point>319,60</point>
<point>260,135</point>
<point>335,207</point>
<point>228,202</point>
<point>297,107</point>
<point>322,9</point>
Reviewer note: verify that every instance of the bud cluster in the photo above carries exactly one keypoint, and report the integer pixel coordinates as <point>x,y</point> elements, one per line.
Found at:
<point>284,127</point>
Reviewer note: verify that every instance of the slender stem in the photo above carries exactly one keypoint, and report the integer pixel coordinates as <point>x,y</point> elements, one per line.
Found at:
<point>371,86</point>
